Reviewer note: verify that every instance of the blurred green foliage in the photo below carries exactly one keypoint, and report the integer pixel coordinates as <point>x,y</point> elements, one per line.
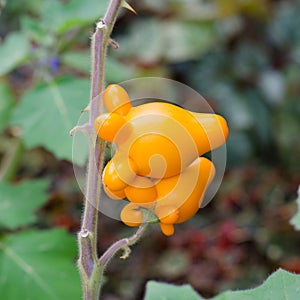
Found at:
<point>15,213</point>
<point>243,56</point>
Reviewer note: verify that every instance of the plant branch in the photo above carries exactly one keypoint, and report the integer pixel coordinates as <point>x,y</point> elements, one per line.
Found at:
<point>122,244</point>
<point>100,41</point>
<point>90,270</point>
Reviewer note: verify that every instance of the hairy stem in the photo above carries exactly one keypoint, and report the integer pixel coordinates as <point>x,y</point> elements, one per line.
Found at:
<point>89,267</point>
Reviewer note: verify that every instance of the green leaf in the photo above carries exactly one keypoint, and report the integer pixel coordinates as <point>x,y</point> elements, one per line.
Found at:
<point>280,285</point>
<point>49,111</point>
<point>13,51</point>
<point>174,41</point>
<point>165,291</point>
<point>6,105</point>
<point>18,203</point>
<point>39,265</point>
<point>60,17</point>
<point>296,218</point>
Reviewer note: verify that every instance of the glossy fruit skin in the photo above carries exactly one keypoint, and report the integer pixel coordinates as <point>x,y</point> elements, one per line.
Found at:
<point>115,195</point>
<point>167,229</point>
<point>116,99</point>
<point>142,190</point>
<point>159,148</point>
<point>108,125</point>
<point>111,178</point>
<point>118,173</point>
<point>167,214</point>
<point>173,192</point>
<point>131,215</point>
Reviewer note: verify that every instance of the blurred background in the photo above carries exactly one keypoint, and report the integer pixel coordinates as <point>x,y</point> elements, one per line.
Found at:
<point>243,56</point>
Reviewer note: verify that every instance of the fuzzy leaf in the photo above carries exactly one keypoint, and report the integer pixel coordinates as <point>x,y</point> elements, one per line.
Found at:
<point>49,111</point>
<point>39,265</point>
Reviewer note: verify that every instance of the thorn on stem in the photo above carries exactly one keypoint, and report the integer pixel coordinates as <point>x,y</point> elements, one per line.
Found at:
<point>114,44</point>
<point>129,7</point>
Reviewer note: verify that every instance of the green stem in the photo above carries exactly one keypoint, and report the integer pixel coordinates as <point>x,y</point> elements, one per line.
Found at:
<point>11,160</point>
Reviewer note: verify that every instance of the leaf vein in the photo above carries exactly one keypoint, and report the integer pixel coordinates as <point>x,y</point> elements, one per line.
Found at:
<point>29,271</point>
